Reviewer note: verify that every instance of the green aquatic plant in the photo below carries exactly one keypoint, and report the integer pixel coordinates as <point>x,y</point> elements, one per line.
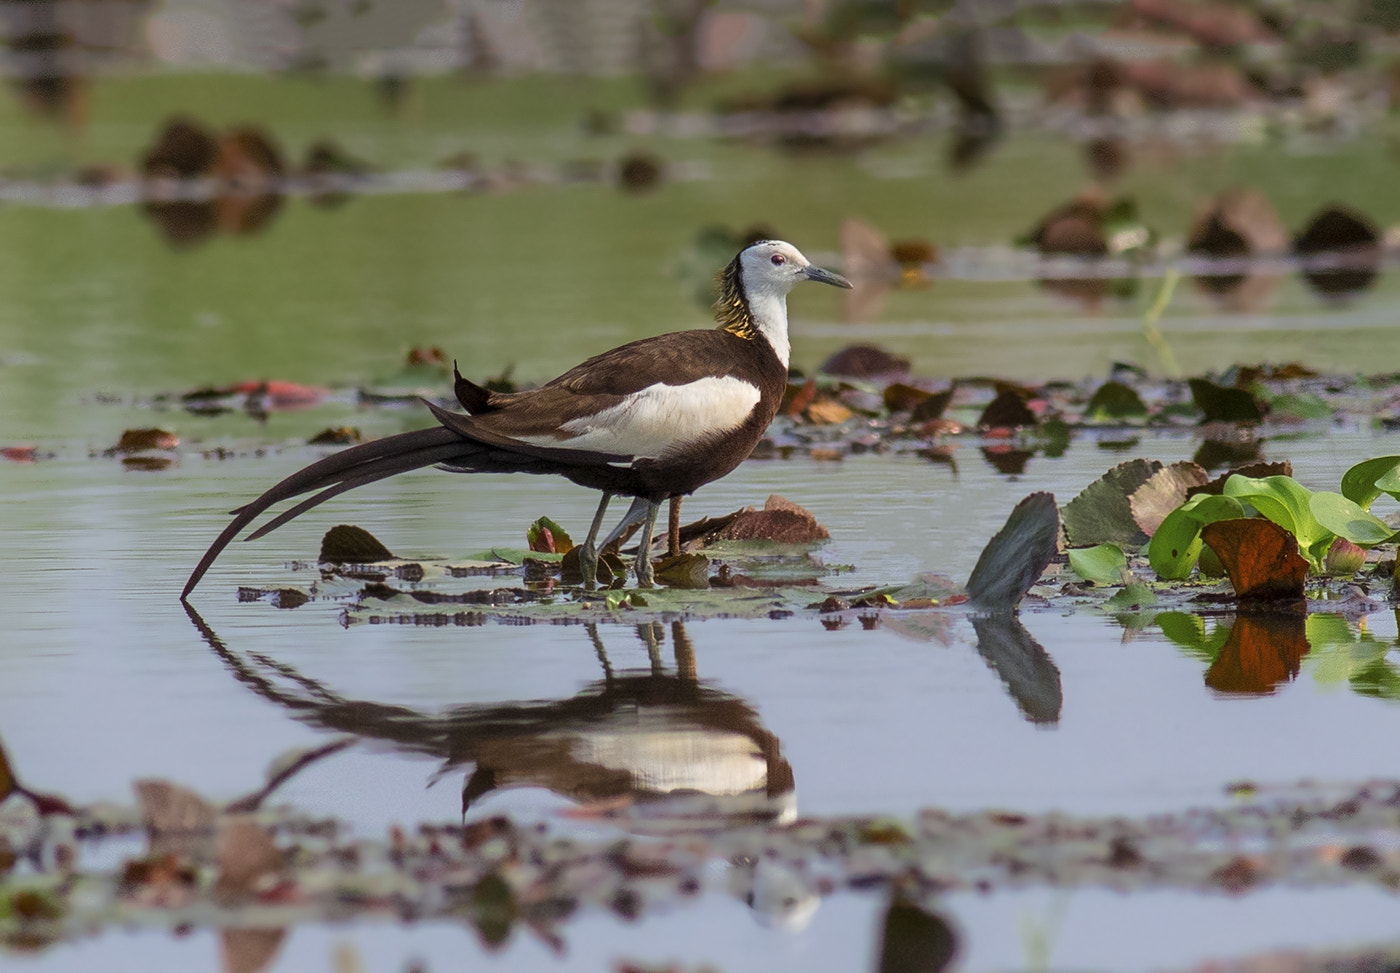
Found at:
<point>1315,518</point>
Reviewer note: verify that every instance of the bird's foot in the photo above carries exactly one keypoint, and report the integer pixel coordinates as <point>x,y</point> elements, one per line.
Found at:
<point>646,577</point>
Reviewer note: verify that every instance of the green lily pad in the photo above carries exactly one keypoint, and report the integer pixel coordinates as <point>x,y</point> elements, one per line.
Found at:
<point>1103,564</point>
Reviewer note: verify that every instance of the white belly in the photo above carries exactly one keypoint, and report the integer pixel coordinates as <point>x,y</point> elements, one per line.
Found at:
<point>661,419</point>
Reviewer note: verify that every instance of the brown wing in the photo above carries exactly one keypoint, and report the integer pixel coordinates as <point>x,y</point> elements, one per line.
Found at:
<point>606,380</point>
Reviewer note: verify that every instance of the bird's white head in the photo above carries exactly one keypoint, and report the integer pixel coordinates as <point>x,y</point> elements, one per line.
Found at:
<point>754,289</point>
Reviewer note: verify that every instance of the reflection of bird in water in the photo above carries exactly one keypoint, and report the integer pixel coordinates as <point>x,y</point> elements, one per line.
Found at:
<point>654,751</point>
<point>652,419</point>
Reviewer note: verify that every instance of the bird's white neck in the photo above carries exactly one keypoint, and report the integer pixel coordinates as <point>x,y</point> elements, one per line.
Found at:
<point>769,312</point>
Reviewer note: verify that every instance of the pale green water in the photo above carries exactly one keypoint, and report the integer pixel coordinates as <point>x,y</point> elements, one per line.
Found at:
<point>103,679</point>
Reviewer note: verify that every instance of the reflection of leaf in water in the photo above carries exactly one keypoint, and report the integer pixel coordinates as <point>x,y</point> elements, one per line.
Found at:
<point>1189,632</point>
<point>492,909</point>
<point>1261,652</point>
<point>1023,665</point>
<point>915,940</point>
<point>249,950</point>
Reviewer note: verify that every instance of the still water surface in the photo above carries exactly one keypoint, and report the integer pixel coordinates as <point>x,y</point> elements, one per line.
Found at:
<point>105,679</point>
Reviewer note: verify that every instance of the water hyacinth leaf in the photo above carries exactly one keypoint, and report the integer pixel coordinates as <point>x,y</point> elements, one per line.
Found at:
<point>1349,520</point>
<point>1370,478</point>
<point>1287,503</point>
<point>1114,401</point>
<point>1101,513</point>
<point>1176,545</point>
<point>546,537</point>
<point>1163,492</point>
<point>1221,403</point>
<point>1016,557</point>
<point>1103,564</point>
<point>1260,557</point>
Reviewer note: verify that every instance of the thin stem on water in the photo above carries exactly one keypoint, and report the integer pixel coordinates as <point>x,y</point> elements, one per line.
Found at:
<point>1152,333</point>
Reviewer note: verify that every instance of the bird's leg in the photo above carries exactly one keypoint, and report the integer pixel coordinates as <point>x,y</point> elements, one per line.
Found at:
<point>673,527</point>
<point>588,553</point>
<point>645,577</point>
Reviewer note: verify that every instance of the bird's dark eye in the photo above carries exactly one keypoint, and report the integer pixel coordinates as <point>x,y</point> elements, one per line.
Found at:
<point>778,259</point>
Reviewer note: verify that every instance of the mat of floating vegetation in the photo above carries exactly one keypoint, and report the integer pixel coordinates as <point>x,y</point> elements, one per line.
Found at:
<point>178,862</point>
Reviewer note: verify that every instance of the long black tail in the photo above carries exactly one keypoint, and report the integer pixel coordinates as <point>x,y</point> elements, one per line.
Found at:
<point>335,474</point>
<point>458,443</point>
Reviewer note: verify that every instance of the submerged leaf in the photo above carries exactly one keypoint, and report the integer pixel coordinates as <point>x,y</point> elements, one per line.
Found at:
<point>1103,564</point>
<point>1260,557</point>
<point>1016,557</point>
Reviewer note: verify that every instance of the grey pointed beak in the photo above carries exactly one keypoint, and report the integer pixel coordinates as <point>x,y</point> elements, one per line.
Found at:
<point>827,277</point>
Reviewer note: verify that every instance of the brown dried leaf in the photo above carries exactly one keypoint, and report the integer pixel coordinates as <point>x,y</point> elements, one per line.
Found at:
<point>827,412</point>
<point>797,397</point>
<point>1260,557</point>
<point>780,520</point>
<point>1163,492</point>
<point>139,440</point>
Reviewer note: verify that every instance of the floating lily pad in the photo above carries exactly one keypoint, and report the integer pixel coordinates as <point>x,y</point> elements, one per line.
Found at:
<point>1102,564</point>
